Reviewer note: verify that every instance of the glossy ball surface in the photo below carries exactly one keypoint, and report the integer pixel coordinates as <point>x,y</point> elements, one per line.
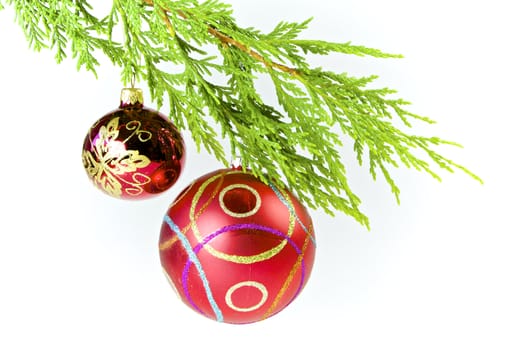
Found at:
<point>235,249</point>
<point>133,153</point>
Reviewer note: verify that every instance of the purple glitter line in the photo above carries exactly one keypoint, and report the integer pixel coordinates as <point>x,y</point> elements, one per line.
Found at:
<point>225,229</point>
<point>185,274</point>
<point>187,247</point>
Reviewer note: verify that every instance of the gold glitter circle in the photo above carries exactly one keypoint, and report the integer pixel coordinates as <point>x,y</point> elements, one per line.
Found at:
<point>238,259</point>
<point>252,190</point>
<point>259,286</point>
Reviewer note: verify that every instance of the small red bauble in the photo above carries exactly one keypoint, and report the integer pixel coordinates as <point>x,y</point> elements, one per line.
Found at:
<point>133,152</point>
<point>235,249</point>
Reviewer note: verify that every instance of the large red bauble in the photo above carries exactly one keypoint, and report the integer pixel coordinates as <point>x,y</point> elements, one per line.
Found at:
<point>235,249</point>
<point>133,152</point>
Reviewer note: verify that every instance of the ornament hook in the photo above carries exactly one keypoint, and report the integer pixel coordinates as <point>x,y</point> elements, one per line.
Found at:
<point>133,80</point>
<point>236,162</point>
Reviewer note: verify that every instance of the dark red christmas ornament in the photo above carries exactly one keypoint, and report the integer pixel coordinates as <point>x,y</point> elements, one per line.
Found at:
<point>133,152</point>
<point>235,249</point>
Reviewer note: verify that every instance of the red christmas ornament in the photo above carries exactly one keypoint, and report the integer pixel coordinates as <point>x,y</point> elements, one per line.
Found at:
<point>133,152</point>
<point>235,249</point>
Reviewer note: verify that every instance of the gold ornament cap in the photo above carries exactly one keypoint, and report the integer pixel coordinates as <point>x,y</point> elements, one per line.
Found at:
<point>131,97</point>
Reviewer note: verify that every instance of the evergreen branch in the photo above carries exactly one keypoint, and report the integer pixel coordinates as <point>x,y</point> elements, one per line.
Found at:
<point>227,40</point>
<point>230,41</point>
<point>57,24</point>
<point>296,143</point>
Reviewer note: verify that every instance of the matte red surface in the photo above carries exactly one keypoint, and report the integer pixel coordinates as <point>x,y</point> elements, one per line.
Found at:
<point>108,153</point>
<point>203,223</point>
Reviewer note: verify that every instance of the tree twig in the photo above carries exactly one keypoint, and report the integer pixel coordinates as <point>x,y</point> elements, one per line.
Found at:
<point>227,40</point>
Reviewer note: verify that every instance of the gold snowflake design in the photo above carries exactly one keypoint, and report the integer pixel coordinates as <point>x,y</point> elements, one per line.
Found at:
<point>109,160</point>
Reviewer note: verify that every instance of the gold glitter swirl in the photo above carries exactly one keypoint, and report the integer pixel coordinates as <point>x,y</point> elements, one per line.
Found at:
<point>170,242</point>
<point>135,188</point>
<point>288,280</point>
<point>181,196</point>
<point>110,160</point>
<point>167,244</point>
<point>239,259</point>
<point>142,135</point>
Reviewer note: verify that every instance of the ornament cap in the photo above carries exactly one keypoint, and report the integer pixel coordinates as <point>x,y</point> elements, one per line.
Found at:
<point>131,96</point>
<point>236,163</point>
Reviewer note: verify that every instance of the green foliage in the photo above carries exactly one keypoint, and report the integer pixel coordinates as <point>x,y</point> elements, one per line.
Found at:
<point>167,43</point>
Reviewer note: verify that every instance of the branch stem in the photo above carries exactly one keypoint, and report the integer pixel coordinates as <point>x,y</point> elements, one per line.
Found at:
<point>228,40</point>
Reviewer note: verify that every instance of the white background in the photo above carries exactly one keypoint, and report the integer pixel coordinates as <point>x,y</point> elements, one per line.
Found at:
<point>445,270</point>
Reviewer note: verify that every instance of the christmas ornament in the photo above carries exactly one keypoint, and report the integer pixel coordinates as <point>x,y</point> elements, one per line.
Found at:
<point>235,249</point>
<point>133,152</point>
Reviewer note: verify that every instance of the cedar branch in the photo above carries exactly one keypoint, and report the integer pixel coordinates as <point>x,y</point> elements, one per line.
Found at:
<point>227,40</point>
